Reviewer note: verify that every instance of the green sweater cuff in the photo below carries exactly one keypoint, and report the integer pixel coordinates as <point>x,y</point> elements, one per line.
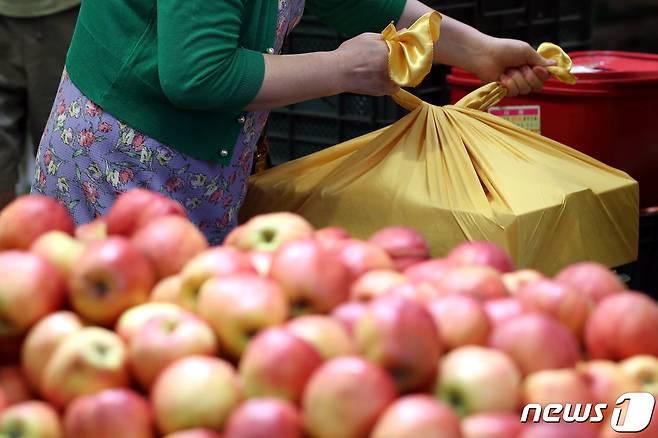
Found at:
<point>253,75</point>
<point>233,86</point>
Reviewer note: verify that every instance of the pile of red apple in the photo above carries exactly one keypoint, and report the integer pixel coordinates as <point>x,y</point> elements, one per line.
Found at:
<point>133,327</point>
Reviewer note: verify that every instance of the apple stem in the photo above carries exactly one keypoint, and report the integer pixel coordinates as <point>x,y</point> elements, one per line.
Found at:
<point>249,334</point>
<point>399,375</point>
<point>169,325</point>
<point>299,306</point>
<point>455,400</point>
<point>268,235</point>
<point>15,429</point>
<point>101,288</point>
<point>101,349</point>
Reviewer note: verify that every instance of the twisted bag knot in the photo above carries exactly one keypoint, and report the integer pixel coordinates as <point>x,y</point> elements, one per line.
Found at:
<point>411,54</point>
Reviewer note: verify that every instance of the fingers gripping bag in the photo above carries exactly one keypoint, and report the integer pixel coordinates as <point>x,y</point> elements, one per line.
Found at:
<point>457,173</point>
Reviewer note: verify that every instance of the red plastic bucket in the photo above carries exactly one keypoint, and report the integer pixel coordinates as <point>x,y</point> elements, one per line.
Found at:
<point>611,114</point>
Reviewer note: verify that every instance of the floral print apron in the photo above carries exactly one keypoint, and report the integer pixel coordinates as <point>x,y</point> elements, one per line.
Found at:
<point>87,157</point>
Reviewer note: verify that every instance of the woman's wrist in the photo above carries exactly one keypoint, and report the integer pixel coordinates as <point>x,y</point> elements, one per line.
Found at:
<point>341,66</point>
<point>478,53</point>
<point>361,66</point>
<point>463,46</point>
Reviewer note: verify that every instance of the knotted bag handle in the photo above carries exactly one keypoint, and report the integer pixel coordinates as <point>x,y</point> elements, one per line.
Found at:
<point>411,52</point>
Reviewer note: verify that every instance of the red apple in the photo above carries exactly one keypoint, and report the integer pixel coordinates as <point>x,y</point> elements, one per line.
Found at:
<point>238,306</point>
<point>3,401</point>
<point>111,413</point>
<point>30,289</point>
<point>277,364</point>
<point>268,232</point>
<point>351,389</point>
<point>194,433</point>
<point>461,320</point>
<point>591,279</point>
<point>265,418</point>
<point>261,261</point>
<point>137,207</point>
<point>404,245</point>
<point>561,430</point>
<point>330,236</point>
<point>59,249</point>
<point>360,257</point>
<point>481,282</point>
<point>501,310</point>
<point>559,301</point>
<point>42,341</point>
<point>132,320</point>
<point>112,276</point>
<point>31,419</point>
<point>328,336</point>
<point>421,292</point>
<point>14,385</point>
<point>476,379</point>
<point>163,340</point>
<point>399,334</point>
<point>643,368</point>
<point>349,313</point>
<point>418,416</point>
<point>167,290</point>
<point>214,262</point>
<point>557,386</point>
<point>607,380</point>
<point>375,283</point>
<point>169,242</point>
<point>430,272</point>
<point>515,280</point>
<point>86,362</point>
<point>621,326</point>
<point>536,342</point>
<point>92,231</point>
<point>492,426</point>
<point>312,277</point>
<point>480,253</point>
<point>195,392</point>
<point>28,217</point>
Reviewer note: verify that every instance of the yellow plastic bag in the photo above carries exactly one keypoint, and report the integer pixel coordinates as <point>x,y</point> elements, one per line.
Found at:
<point>457,173</point>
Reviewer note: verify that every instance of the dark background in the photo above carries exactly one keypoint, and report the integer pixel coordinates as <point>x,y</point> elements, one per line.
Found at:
<point>298,130</point>
<point>625,25</point>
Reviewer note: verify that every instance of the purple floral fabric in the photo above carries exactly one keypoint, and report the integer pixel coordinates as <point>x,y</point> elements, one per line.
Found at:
<point>87,157</point>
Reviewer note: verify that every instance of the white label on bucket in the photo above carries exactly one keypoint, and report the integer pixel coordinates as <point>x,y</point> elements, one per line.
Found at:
<point>525,116</point>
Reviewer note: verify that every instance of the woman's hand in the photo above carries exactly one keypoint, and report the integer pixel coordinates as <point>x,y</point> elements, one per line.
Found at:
<point>359,65</point>
<point>363,66</point>
<point>514,63</point>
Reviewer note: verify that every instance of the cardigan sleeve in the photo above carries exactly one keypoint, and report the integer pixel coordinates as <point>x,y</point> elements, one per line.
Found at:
<point>352,17</point>
<point>201,65</point>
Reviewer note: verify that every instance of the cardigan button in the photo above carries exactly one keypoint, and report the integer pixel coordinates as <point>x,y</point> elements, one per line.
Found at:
<point>242,119</point>
<point>223,153</point>
<point>270,50</point>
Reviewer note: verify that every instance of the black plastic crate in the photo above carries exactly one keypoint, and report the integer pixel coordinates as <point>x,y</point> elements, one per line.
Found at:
<point>643,274</point>
<point>567,22</point>
<point>307,127</point>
